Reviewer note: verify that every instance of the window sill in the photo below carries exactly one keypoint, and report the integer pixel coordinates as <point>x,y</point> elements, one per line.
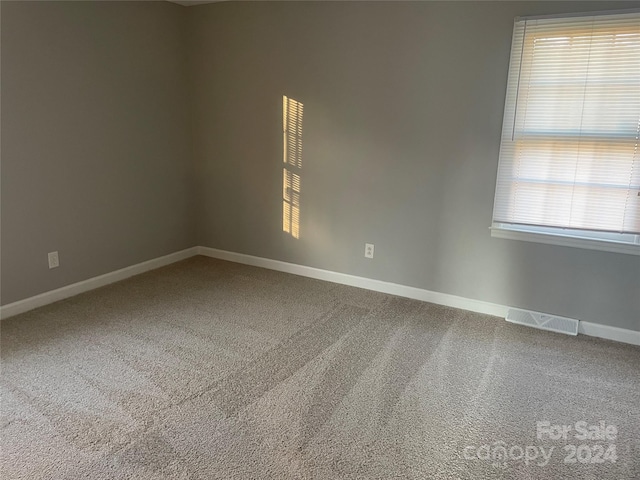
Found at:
<point>565,240</point>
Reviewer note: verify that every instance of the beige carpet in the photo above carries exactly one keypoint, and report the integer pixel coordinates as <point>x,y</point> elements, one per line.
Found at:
<point>207,369</point>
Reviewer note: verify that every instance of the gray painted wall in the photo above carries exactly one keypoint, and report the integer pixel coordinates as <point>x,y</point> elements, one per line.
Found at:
<point>403,111</point>
<point>96,159</point>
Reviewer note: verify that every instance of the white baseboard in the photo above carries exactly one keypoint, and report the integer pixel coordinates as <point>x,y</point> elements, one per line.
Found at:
<point>361,282</point>
<point>585,328</point>
<point>610,333</point>
<point>21,306</point>
<point>46,298</point>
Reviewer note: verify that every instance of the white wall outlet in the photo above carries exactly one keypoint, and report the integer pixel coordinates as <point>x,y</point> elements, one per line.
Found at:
<point>54,261</point>
<point>368,250</point>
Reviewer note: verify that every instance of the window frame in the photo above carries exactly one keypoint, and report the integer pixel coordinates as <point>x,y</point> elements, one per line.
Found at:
<point>628,243</point>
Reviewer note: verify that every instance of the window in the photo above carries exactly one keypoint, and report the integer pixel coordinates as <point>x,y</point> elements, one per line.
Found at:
<point>569,170</point>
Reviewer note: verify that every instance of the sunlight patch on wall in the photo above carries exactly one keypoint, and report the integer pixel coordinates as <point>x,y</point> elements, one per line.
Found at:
<point>291,171</point>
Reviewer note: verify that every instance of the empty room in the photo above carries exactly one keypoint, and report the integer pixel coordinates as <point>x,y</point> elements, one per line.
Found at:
<point>320,240</point>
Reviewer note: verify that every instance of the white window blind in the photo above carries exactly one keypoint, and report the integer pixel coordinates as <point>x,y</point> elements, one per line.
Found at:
<point>570,155</point>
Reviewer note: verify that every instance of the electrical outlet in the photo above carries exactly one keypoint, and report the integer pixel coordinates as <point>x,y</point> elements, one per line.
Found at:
<point>54,261</point>
<point>368,250</point>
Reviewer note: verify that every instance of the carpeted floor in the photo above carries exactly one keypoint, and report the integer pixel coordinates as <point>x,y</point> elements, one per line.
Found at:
<point>213,370</point>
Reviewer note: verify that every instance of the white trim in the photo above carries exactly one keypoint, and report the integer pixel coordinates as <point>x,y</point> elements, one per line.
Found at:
<point>565,241</point>
<point>585,328</point>
<point>360,282</point>
<point>610,333</point>
<point>67,291</point>
<point>21,306</point>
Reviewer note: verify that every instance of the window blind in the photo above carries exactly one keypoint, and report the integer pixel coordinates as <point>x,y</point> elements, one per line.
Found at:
<point>569,154</point>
